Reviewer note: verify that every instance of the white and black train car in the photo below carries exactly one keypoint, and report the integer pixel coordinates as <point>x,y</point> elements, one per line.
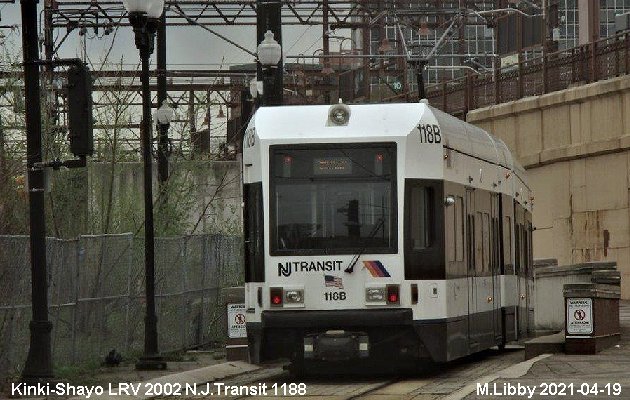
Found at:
<point>389,230</point>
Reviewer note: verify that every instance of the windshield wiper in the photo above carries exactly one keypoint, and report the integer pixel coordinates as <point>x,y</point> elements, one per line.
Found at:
<point>354,260</point>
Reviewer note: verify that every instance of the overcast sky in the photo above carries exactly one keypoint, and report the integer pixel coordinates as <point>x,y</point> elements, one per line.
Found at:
<point>186,45</point>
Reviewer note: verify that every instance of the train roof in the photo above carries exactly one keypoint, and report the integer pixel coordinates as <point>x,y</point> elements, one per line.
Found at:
<point>368,121</point>
<point>474,141</point>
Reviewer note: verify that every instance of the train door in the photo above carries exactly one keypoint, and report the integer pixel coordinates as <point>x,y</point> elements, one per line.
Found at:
<point>496,255</point>
<point>510,301</point>
<point>520,270</point>
<point>530,276</point>
<point>473,342</point>
<point>483,273</point>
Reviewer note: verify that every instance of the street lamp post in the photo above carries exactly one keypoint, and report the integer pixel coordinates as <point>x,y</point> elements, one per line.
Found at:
<point>163,118</point>
<point>269,55</point>
<point>143,17</point>
<point>162,158</point>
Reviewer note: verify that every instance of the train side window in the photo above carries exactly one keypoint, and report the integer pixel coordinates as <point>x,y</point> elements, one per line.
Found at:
<point>486,242</point>
<point>517,249</point>
<point>253,232</point>
<point>524,251</point>
<point>478,242</point>
<point>470,241</point>
<point>530,253</point>
<point>450,231</point>
<point>459,229</point>
<point>421,215</point>
<point>507,240</point>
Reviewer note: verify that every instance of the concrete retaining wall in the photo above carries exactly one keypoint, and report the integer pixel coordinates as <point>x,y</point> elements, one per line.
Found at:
<point>575,145</point>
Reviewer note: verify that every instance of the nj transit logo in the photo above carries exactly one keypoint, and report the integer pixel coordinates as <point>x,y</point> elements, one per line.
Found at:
<point>286,268</point>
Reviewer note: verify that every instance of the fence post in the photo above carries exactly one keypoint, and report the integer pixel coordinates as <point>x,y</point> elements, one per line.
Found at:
<point>473,98</point>
<point>497,88</point>
<point>129,332</point>
<point>573,62</point>
<point>520,76</point>
<point>593,64</point>
<point>545,73</point>
<point>466,95</point>
<point>617,55</point>
<point>587,62</point>
<point>185,305</point>
<point>204,281</point>
<point>77,285</point>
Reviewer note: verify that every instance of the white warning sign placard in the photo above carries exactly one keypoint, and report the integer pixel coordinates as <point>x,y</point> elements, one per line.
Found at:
<point>579,316</point>
<point>236,321</point>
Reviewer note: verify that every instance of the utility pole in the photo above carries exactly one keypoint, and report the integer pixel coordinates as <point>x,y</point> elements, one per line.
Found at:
<point>420,65</point>
<point>588,14</point>
<point>269,17</point>
<point>326,49</point>
<point>38,364</point>
<point>162,156</point>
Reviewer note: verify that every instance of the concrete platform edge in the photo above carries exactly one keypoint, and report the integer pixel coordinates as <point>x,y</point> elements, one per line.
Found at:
<point>513,371</point>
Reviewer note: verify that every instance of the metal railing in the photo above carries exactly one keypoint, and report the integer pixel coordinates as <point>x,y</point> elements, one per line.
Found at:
<point>603,59</point>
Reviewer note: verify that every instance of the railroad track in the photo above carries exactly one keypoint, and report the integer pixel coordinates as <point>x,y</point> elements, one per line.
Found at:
<point>434,383</point>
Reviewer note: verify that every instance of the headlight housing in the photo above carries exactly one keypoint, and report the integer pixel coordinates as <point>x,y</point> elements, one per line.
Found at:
<point>375,295</point>
<point>294,296</point>
<point>338,115</point>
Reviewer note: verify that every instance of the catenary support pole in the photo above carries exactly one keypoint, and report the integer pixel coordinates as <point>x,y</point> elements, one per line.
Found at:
<point>38,364</point>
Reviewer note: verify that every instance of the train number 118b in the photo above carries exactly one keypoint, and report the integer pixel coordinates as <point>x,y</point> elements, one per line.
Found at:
<point>334,296</point>
<point>430,133</point>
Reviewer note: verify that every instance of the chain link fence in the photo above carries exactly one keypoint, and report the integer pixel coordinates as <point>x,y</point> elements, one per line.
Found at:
<point>96,295</point>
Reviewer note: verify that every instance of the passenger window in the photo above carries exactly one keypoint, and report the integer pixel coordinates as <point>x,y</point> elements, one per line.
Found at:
<point>421,212</point>
<point>450,225</point>
<point>253,233</point>
<point>478,242</point>
<point>459,228</point>
<point>486,242</point>
<point>507,240</point>
<point>517,248</point>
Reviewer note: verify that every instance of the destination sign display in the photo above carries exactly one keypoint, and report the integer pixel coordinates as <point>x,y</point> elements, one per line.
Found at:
<point>332,166</point>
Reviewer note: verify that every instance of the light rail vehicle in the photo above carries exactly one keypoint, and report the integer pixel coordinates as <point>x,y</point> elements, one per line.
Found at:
<point>382,231</point>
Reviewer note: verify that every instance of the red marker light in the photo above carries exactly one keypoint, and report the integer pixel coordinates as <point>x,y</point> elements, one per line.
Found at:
<point>393,294</point>
<point>275,296</point>
<point>379,157</point>
<point>288,159</point>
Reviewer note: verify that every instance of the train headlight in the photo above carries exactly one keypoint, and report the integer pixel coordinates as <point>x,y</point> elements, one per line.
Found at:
<point>294,296</point>
<point>375,295</point>
<point>339,114</point>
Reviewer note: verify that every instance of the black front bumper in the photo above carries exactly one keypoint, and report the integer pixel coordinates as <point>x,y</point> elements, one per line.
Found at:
<point>281,334</point>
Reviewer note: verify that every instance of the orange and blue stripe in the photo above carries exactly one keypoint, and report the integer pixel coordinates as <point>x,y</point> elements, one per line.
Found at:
<point>377,269</point>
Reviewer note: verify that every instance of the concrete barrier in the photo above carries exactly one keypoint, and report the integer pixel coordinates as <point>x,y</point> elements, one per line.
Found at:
<point>236,345</point>
<point>592,317</point>
<point>549,282</point>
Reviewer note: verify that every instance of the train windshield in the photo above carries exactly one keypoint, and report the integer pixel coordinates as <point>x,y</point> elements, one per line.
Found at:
<point>333,200</point>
